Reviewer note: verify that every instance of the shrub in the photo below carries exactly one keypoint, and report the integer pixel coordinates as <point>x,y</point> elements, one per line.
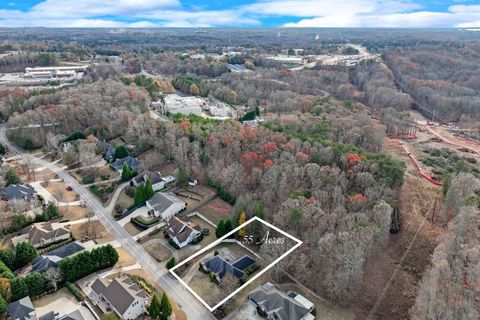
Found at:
<point>170,263</point>
<point>74,290</point>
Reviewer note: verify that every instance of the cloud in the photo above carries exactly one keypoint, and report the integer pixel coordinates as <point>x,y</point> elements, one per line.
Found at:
<point>303,13</point>
<point>455,16</point>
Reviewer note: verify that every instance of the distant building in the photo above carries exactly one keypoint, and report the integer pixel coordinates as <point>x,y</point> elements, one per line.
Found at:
<point>18,192</point>
<point>53,73</point>
<point>121,295</point>
<point>132,162</point>
<point>165,205</point>
<point>275,304</point>
<point>22,310</point>
<point>182,232</point>
<point>52,258</point>
<point>221,267</point>
<point>41,234</point>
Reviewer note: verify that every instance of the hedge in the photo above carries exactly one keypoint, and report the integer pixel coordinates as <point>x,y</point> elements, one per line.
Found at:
<point>74,290</point>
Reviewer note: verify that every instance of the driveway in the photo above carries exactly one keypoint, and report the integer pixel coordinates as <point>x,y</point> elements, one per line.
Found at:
<point>142,211</point>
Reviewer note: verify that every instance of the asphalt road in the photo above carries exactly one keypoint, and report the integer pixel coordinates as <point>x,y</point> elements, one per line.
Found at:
<point>192,307</point>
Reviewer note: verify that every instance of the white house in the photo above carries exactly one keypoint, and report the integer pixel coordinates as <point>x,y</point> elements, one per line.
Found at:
<point>158,182</point>
<point>165,205</point>
<point>121,295</point>
<point>182,232</point>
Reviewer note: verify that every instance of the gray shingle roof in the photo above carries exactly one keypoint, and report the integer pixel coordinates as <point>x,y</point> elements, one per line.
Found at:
<point>277,303</point>
<point>221,267</point>
<point>52,259</point>
<point>18,192</point>
<point>21,309</point>
<point>132,162</point>
<point>160,202</point>
<point>181,229</point>
<point>120,292</point>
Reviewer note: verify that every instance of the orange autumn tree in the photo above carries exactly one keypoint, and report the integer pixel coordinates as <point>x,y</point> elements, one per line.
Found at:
<point>241,220</point>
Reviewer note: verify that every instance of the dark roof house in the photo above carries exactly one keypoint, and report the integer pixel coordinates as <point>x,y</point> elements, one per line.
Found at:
<point>18,192</point>
<point>22,310</point>
<point>52,258</point>
<point>154,177</point>
<point>132,162</point>
<point>222,267</point>
<point>276,304</point>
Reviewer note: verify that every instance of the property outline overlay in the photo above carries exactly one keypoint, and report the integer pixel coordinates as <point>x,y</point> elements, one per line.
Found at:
<point>213,244</point>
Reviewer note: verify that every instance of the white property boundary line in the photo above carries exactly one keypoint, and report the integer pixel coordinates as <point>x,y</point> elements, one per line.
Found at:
<point>213,244</point>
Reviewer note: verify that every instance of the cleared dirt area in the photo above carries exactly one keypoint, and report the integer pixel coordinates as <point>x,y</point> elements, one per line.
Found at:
<point>416,205</point>
<point>91,231</point>
<point>132,229</point>
<point>73,213</point>
<point>158,251</point>
<point>124,259</point>
<point>60,192</point>
<point>216,210</point>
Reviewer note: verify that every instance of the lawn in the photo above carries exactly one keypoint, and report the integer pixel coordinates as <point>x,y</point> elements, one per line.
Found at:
<point>132,229</point>
<point>96,232</point>
<point>60,192</point>
<point>73,213</point>
<point>158,251</point>
<point>216,210</point>
<point>123,202</point>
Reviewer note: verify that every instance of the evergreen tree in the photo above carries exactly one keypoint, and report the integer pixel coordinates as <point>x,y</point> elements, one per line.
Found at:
<point>165,307</point>
<point>24,254</point>
<point>120,152</point>
<point>36,284</point>
<point>51,212</point>
<point>139,194</point>
<point>181,176</point>
<point>11,177</point>
<point>3,305</point>
<point>126,172</point>
<point>170,263</point>
<point>19,288</point>
<point>8,257</point>
<point>220,231</point>
<point>228,226</point>
<point>154,309</point>
<point>148,189</point>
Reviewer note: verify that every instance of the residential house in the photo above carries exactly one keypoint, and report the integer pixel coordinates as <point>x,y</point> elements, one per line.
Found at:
<point>221,267</point>
<point>18,192</point>
<point>182,232</point>
<point>158,183</point>
<point>132,162</point>
<point>53,315</point>
<point>42,234</point>
<point>275,304</point>
<point>106,149</point>
<point>22,310</point>
<point>121,295</point>
<point>52,258</point>
<point>165,205</point>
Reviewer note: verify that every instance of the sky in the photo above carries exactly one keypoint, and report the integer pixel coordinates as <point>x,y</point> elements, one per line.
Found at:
<point>240,13</point>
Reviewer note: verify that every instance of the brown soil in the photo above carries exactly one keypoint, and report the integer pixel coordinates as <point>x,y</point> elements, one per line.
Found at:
<point>216,210</point>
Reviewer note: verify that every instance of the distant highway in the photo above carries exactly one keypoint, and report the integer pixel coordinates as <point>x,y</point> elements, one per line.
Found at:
<point>192,307</point>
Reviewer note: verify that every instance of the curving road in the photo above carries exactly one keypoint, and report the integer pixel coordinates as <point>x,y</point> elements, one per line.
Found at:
<point>192,307</point>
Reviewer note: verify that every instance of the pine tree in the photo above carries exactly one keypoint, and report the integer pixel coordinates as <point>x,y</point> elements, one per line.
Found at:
<point>228,226</point>
<point>126,172</point>
<point>139,194</point>
<point>165,307</point>
<point>148,189</point>
<point>170,263</point>
<point>154,309</point>
<point>220,231</point>
<point>181,176</point>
